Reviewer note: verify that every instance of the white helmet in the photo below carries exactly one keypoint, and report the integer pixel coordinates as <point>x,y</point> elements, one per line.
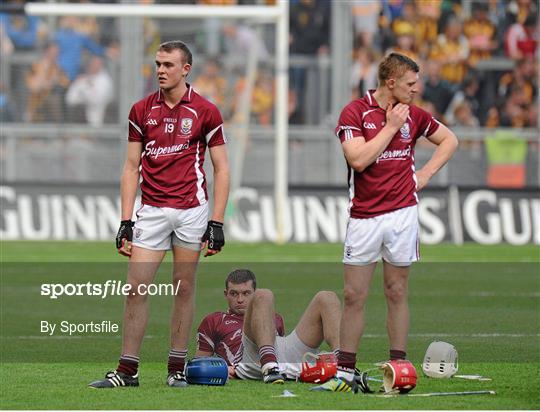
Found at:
<point>440,361</point>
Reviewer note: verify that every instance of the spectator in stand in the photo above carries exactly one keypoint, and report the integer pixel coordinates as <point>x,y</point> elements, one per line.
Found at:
<point>523,77</point>
<point>492,118</point>
<point>92,90</point>
<point>521,39</point>
<point>364,72</point>
<point>25,32</point>
<point>467,93</point>
<point>405,40</point>
<point>409,16</point>
<point>452,51</point>
<point>393,9</point>
<point>497,16</point>
<point>429,12</point>
<point>309,27</point>
<point>72,43</point>
<point>520,87</point>
<point>239,40</point>
<point>366,22</point>
<point>211,84</point>
<point>463,116</point>
<point>436,89</point>
<point>514,112</point>
<point>262,98</point>
<point>519,10</point>
<point>309,22</point>
<point>481,33</point>
<point>46,83</point>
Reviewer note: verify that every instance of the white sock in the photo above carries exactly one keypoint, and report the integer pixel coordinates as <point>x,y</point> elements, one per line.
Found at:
<point>268,366</point>
<point>345,375</point>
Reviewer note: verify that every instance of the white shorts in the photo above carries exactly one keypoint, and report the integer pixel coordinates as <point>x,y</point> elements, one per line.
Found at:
<point>392,236</point>
<point>289,352</point>
<point>157,228</point>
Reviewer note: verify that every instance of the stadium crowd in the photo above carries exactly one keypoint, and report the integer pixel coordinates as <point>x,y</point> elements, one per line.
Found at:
<point>478,60</point>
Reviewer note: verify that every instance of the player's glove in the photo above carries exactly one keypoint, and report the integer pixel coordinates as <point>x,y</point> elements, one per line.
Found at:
<point>214,235</point>
<point>125,232</point>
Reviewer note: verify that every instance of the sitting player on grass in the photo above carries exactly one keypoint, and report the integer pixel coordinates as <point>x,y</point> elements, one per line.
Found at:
<point>250,335</point>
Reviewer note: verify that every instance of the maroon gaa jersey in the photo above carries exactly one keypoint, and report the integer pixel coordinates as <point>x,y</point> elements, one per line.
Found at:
<point>174,144</point>
<point>221,333</point>
<point>389,183</point>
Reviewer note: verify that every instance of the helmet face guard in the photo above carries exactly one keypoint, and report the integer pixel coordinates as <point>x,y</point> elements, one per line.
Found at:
<point>399,375</point>
<point>440,360</point>
<point>207,371</point>
<point>318,368</point>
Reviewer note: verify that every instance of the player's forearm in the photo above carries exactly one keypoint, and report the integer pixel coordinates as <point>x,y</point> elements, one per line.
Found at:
<point>128,191</point>
<point>221,194</point>
<point>443,153</point>
<point>368,152</point>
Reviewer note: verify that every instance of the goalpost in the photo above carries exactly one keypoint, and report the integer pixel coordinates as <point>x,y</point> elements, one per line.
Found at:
<point>278,15</point>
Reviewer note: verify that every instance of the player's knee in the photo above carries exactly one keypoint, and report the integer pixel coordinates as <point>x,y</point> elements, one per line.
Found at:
<point>183,289</point>
<point>137,292</point>
<point>395,293</point>
<point>263,296</point>
<point>327,298</point>
<point>354,297</point>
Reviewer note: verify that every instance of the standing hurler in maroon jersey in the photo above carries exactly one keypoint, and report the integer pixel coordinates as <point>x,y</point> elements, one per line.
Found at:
<point>169,132</point>
<point>378,133</point>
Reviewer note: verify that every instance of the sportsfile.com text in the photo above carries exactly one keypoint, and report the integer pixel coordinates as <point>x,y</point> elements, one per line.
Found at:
<point>109,288</point>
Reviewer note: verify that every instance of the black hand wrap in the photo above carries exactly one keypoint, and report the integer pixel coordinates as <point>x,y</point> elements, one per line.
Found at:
<point>125,232</point>
<point>362,379</point>
<point>214,235</point>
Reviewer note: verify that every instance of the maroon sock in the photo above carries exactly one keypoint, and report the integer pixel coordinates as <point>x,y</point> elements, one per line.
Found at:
<point>128,364</point>
<point>346,361</point>
<point>177,360</point>
<point>397,354</point>
<point>267,354</point>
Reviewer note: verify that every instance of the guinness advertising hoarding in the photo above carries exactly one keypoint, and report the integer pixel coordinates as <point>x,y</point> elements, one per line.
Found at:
<point>485,216</point>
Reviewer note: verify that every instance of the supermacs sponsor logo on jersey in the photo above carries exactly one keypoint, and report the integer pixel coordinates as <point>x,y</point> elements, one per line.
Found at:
<point>158,151</point>
<point>400,154</point>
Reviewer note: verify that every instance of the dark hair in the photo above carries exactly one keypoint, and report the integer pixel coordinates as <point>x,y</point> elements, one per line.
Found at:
<point>238,276</point>
<point>395,64</point>
<point>480,6</point>
<point>169,46</point>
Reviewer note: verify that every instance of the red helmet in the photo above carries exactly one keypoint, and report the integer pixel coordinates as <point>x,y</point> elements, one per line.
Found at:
<point>399,375</point>
<point>323,368</point>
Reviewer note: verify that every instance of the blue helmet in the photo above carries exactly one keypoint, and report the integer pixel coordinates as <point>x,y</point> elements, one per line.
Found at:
<point>207,371</point>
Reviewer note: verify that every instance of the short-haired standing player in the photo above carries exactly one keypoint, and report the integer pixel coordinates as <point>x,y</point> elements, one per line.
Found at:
<point>378,133</point>
<point>169,132</point>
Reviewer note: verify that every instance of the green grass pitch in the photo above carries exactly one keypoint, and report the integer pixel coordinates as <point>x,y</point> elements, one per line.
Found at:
<point>483,299</point>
